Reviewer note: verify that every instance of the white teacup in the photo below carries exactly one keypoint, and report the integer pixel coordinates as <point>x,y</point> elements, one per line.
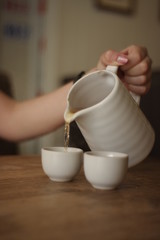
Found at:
<point>61,165</point>
<point>105,170</point>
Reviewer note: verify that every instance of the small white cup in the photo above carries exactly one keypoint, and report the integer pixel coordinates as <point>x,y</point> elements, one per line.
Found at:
<point>61,165</point>
<point>105,170</point>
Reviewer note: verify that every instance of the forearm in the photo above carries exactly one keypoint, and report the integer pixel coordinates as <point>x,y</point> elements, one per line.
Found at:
<point>32,118</point>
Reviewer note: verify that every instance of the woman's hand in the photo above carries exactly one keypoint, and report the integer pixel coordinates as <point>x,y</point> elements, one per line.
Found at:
<point>134,67</point>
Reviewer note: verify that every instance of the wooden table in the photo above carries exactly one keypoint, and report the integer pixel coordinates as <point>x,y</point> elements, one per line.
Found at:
<point>33,207</point>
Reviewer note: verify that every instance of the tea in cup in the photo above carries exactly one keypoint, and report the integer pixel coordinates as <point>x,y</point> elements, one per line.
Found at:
<point>105,170</point>
<point>61,164</point>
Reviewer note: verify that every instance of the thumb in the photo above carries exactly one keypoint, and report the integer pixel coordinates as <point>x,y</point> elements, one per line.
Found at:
<point>112,57</point>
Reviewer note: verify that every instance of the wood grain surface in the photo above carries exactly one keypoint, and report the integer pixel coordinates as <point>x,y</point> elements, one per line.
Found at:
<point>34,207</point>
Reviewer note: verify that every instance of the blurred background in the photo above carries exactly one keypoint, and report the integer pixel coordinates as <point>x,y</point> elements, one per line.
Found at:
<point>43,42</point>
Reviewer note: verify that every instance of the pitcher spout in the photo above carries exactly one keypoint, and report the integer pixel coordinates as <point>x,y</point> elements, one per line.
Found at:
<point>70,115</point>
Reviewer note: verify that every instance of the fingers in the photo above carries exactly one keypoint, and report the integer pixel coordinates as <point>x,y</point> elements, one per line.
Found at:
<point>135,54</point>
<point>140,68</point>
<point>137,79</point>
<point>139,90</point>
<point>137,72</point>
<point>139,84</point>
<point>111,58</point>
<point>134,67</point>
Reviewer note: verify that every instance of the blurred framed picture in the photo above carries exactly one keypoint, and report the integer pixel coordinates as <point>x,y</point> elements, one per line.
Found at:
<point>124,6</point>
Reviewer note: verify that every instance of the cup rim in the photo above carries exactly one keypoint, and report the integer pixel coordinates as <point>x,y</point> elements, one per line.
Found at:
<point>111,154</point>
<point>60,149</point>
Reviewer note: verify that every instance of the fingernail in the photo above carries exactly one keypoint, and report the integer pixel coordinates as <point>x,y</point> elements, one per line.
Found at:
<point>122,59</point>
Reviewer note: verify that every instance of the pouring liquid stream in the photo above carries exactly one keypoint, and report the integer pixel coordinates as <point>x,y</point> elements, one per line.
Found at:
<point>66,135</point>
<point>68,118</point>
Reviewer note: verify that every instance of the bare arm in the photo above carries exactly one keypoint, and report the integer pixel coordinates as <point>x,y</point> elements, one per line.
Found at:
<point>32,118</point>
<point>38,116</point>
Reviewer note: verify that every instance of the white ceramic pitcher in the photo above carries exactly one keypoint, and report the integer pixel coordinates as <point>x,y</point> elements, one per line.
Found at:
<point>109,116</point>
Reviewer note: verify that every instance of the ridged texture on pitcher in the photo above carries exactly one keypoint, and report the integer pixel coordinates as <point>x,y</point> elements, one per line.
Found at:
<point>114,122</point>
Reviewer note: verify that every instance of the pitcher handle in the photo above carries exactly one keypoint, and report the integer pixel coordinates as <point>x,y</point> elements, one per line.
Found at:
<point>114,69</point>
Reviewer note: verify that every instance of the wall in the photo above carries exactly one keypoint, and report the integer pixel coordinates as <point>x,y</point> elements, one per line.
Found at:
<point>87,32</point>
<point>78,32</point>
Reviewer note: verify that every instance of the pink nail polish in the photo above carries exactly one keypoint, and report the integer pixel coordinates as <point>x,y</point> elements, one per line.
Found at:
<point>122,60</point>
